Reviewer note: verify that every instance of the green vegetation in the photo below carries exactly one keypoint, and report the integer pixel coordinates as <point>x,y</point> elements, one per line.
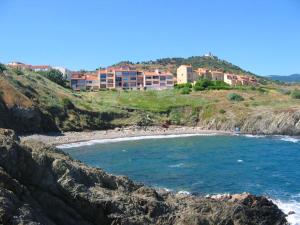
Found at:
<point>18,71</point>
<point>205,84</point>
<point>199,61</point>
<point>67,110</point>
<point>235,97</point>
<point>55,76</point>
<point>2,68</point>
<point>295,94</point>
<point>185,90</point>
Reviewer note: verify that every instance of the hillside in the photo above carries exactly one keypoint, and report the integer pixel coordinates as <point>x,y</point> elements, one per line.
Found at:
<point>289,78</point>
<point>172,64</point>
<point>31,103</point>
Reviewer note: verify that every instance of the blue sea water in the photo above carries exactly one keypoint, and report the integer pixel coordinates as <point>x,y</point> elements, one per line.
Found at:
<point>205,165</point>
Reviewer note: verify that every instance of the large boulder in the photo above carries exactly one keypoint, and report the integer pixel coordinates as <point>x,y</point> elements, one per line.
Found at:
<point>40,184</point>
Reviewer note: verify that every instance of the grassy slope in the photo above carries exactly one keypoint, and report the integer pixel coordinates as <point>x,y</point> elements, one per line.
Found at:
<point>107,109</point>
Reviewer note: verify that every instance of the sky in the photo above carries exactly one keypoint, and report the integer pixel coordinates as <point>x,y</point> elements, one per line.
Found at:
<point>262,36</point>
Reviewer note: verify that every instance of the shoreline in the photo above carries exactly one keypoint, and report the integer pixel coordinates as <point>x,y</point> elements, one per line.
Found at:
<point>75,139</point>
<point>56,139</point>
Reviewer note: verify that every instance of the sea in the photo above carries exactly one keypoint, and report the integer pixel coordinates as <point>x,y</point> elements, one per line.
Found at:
<point>204,164</point>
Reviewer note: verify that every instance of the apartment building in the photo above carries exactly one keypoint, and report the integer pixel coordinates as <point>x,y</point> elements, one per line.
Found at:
<point>19,65</point>
<point>127,77</point>
<point>216,75</point>
<point>185,74</point>
<point>158,80</point>
<point>43,68</point>
<point>92,81</point>
<point>124,77</point>
<point>203,73</point>
<point>78,81</point>
<point>23,66</point>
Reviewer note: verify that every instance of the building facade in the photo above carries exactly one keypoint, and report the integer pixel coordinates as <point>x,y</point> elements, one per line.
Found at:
<point>158,80</point>
<point>78,81</point>
<point>185,74</point>
<point>92,81</point>
<point>127,77</point>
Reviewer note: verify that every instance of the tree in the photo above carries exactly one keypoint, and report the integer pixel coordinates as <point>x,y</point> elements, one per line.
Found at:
<point>235,97</point>
<point>2,68</point>
<point>55,76</point>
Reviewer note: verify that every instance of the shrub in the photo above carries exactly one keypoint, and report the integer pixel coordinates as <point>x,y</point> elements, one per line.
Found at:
<point>2,68</point>
<point>185,91</point>
<point>18,71</point>
<point>295,94</point>
<point>235,97</point>
<point>205,84</point>
<point>180,86</point>
<point>67,103</point>
<point>222,111</point>
<point>284,91</point>
<point>261,90</point>
<point>54,75</point>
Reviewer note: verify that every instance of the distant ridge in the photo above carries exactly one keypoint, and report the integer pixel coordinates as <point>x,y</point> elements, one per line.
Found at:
<point>171,64</point>
<point>289,78</point>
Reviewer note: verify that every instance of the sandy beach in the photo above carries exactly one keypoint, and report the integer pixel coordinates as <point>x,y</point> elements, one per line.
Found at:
<point>73,137</point>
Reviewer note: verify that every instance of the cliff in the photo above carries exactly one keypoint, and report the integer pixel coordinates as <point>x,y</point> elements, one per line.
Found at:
<point>42,185</point>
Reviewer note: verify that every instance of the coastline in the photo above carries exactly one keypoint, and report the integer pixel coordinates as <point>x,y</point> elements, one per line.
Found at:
<point>56,139</point>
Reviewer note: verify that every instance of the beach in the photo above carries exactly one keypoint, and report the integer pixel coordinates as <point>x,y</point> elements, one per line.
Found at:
<point>55,139</point>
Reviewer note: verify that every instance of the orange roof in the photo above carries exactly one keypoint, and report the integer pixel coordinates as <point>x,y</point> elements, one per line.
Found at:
<point>40,67</point>
<point>77,76</point>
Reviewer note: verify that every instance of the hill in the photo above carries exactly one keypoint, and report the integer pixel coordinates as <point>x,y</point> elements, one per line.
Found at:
<point>29,102</point>
<point>290,78</point>
<point>210,62</point>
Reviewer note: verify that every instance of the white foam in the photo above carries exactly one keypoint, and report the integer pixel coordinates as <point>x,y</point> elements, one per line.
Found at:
<point>183,192</point>
<point>253,136</point>
<point>289,139</point>
<point>177,165</point>
<point>290,206</point>
<point>240,161</point>
<point>112,140</point>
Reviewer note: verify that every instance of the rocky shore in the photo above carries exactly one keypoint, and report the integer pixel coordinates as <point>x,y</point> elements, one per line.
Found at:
<point>40,184</point>
<point>133,131</point>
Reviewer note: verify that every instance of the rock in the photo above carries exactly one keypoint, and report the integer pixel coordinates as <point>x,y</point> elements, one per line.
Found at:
<point>291,212</point>
<point>40,184</point>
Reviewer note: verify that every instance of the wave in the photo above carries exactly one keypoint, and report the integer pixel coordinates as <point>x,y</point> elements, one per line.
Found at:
<point>253,136</point>
<point>177,165</point>
<point>112,140</point>
<point>290,139</point>
<point>280,137</point>
<point>288,207</point>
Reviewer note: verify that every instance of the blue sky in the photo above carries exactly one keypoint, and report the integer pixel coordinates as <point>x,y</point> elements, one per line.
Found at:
<point>262,36</point>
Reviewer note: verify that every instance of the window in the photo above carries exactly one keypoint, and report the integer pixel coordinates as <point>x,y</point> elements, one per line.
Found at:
<point>102,76</point>
<point>148,77</point>
<point>162,78</point>
<point>132,78</point>
<point>148,83</point>
<point>155,77</point>
<point>132,73</point>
